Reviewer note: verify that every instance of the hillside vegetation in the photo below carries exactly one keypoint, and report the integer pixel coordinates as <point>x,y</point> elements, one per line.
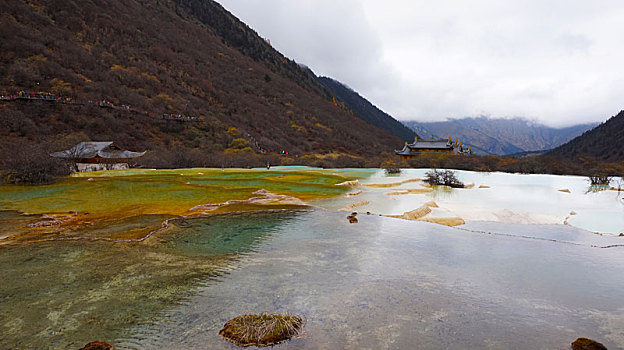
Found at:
<point>151,57</point>
<point>605,142</point>
<point>364,109</point>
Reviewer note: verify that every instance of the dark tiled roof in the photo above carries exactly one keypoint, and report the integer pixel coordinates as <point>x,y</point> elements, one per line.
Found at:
<point>430,145</point>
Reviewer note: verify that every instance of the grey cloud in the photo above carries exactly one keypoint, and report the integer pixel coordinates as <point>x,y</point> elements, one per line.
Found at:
<point>556,61</point>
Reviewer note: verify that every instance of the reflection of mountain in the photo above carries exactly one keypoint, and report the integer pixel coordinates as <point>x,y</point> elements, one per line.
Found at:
<point>499,136</point>
<point>603,142</point>
<point>227,234</point>
<point>362,108</point>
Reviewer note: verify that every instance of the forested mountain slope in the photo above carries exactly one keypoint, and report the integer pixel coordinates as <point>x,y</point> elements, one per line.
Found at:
<point>120,65</point>
<point>604,142</point>
<point>364,109</point>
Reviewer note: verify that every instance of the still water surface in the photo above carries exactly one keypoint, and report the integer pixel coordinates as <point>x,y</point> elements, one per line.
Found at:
<point>380,283</point>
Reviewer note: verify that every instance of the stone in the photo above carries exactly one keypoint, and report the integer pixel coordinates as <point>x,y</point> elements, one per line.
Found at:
<point>97,345</point>
<point>352,219</point>
<point>261,330</point>
<point>354,183</point>
<point>587,344</point>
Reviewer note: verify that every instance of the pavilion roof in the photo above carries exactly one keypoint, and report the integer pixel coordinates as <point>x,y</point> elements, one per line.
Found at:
<point>106,150</point>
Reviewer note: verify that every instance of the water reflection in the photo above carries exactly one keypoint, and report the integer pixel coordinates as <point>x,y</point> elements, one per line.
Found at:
<point>597,188</point>
<point>387,283</point>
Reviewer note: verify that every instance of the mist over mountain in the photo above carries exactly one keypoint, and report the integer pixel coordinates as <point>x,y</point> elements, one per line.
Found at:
<point>147,58</point>
<point>499,136</point>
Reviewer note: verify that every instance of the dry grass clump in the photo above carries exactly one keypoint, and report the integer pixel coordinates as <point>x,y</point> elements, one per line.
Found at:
<point>587,344</point>
<point>261,330</point>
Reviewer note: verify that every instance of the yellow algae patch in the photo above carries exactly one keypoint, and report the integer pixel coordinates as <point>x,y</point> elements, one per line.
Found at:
<point>393,184</point>
<point>445,221</point>
<point>565,190</point>
<point>484,186</point>
<point>409,191</point>
<point>134,202</point>
<point>355,205</point>
<point>416,213</point>
<point>419,214</point>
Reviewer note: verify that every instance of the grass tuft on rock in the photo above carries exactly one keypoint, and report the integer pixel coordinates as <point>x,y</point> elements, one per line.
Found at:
<point>261,330</point>
<point>587,344</point>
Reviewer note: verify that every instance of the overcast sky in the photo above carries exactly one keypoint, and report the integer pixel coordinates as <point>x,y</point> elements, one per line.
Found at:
<point>559,62</point>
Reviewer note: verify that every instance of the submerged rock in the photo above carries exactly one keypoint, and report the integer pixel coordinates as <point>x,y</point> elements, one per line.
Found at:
<point>351,194</point>
<point>355,205</point>
<point>261,330</point>
<point>97,345</point>
<point>393,184</point>
<point>587,344</point>
<point>264,198</point>
<point>409,191</point>
<point>354,183</point>
<point>352,219</point>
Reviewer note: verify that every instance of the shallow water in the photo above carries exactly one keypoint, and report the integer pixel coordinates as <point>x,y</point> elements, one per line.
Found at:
<point>515,198</point>
<point>61,295</point>
<point>388,283</point>
<point>380,283</point>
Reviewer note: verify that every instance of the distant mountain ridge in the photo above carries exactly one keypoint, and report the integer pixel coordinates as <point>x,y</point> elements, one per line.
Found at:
<point>499,136</point>
<point>364,109</point>
<point>605,142</point>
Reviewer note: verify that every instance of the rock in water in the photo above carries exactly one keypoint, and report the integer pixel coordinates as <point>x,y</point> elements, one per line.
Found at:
<point>261,330</point>
<point>352,219</point>
<point>587,344</point>
<point>97,345</point>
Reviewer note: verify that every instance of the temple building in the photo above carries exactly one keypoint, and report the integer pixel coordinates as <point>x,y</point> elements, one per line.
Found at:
<point>433,145</point>
<point>95,156</point>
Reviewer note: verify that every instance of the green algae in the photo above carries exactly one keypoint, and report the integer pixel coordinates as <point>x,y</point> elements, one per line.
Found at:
<point>65,295</point>
<point>130,204</point>
<point>105,278</point>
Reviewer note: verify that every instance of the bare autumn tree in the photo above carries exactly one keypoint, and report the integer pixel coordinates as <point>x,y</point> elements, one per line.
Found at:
<point>23,163</point>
